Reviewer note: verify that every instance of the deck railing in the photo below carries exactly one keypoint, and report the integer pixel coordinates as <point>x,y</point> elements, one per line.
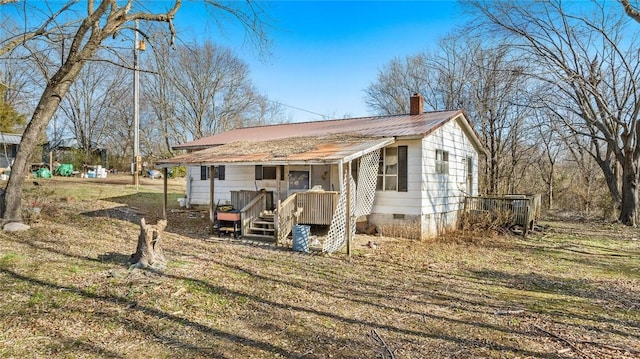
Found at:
<point>252,210</point>
<point>521,210</point>
<point>284,218</point>
<point>318,207</point>
<point>304,208</point>
<point>241,198</point>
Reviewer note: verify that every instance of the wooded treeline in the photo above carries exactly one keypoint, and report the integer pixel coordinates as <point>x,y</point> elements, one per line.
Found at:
<point>551,87</point>
<point>187,91</point>
<point>52,56</point>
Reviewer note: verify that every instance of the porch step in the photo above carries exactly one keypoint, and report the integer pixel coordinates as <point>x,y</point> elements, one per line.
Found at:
<point>261,229</point>
<point>265,223</point>
<point>259,237</point>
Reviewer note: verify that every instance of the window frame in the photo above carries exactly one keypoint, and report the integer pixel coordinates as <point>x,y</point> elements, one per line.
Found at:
<point>219,173</point>
<point>442,162</point>
<point>260,174</point>
<point>400,177</point>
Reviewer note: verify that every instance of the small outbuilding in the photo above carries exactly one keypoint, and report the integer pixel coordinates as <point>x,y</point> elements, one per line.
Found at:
<point>9,143</point>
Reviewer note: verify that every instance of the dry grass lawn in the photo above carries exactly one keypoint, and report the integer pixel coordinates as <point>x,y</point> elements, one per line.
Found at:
<point>65,291</point>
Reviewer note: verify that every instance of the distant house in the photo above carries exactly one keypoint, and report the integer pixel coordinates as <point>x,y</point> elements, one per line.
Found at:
<point>406,172</point>
<point>9,144</point>
<point>62,150</point>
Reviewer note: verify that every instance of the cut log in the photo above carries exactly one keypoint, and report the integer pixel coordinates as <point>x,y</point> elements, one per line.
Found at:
<point>149,253</point>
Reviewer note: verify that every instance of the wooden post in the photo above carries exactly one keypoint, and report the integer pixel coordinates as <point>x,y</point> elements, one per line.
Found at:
<point>527,216</point>
<point>340,176</point>
<point>278,179</point>
<point>165,172</point>
<point>276,222</point>
<point>347,170</point>
<point>212,208</point>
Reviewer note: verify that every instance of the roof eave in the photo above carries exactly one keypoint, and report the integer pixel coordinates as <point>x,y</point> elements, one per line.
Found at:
<point>336,159</point>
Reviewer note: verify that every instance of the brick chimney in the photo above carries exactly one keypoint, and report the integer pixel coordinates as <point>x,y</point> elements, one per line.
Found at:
<point>416,104</point>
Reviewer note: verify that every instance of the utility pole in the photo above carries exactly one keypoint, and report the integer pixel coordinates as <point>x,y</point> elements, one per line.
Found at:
<point>136,115</point>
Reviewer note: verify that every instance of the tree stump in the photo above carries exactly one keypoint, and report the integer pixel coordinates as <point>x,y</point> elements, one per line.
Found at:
<point>149,254</point>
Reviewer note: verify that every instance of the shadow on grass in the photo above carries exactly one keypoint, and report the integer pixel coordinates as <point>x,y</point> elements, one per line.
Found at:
<point>296,310</point>
<point>304,312</point>
<point>122,213</point>
<point>557,286</point>
<point>375,296</point>
<point>115,258</point>
<point>145,200</point>
<point>134,206</point>
<point>82,346</point>
<point>148,205</point>
<point>157,314</point>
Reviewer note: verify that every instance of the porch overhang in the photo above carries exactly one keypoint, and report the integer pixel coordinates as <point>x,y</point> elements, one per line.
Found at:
<point>288,151</point>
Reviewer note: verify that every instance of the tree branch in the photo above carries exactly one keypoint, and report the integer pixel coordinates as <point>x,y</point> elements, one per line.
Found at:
<point>12,44</point>
<point>630,10</point>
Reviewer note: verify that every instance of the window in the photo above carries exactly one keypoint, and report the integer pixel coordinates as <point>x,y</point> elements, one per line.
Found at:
<point>218,173</point>
<point>268,172</point>
<point>392,169</point>
<point>442,162</point>
<point>469,179</point>
<point>299,180</point>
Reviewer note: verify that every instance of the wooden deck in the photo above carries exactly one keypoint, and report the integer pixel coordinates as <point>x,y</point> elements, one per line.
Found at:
<point>317,207</point>
<point>300,208</point>
<point>522,210</point>
<point>305,208</point>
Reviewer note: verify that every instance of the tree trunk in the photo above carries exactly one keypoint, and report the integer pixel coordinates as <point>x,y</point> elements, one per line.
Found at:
<point>149,253</point>
<point>90,33</point>
<point>551,187</point>
<point>40,119</point>
<point>629,210</point>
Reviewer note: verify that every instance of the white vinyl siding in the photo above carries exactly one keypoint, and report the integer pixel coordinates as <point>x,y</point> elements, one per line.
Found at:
<point>397,202</point>
<point>443,194</point>
<point>432,199</point>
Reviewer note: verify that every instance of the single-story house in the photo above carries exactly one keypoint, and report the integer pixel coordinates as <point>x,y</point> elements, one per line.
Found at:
<point>406,174</point>
<point>9,143</point>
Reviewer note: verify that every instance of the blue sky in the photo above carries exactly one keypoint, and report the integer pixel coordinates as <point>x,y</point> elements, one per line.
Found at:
<point>325,53</point>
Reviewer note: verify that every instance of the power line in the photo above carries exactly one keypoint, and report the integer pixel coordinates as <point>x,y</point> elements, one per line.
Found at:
<point>301,109</point>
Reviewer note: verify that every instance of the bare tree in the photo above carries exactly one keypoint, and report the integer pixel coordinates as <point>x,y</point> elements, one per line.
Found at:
<point>203,90</point>
<point>397,81</point>
<point>88,31</point>
<point>92,104</point>
<point>631,10</point>
<point>588,60</point>
<point>497,98</point>
<point>549,148</point>
<point>465,74</point>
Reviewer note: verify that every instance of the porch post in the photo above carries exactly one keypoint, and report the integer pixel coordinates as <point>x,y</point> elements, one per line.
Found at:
<point>347,174</point>
<point>212,171</point>
<point>340,176</point>
<point>165,171</point>
<point>278,179</point>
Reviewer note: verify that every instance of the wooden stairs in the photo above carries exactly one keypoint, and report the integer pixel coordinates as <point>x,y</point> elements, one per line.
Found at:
<point>262,228</point>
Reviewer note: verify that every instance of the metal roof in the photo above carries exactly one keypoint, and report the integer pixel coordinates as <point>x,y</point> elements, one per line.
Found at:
<point>70,142</point>
<point>318,142</point>
<point>10,138</point>
<point>292,151</point>
<point>378,126</point>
